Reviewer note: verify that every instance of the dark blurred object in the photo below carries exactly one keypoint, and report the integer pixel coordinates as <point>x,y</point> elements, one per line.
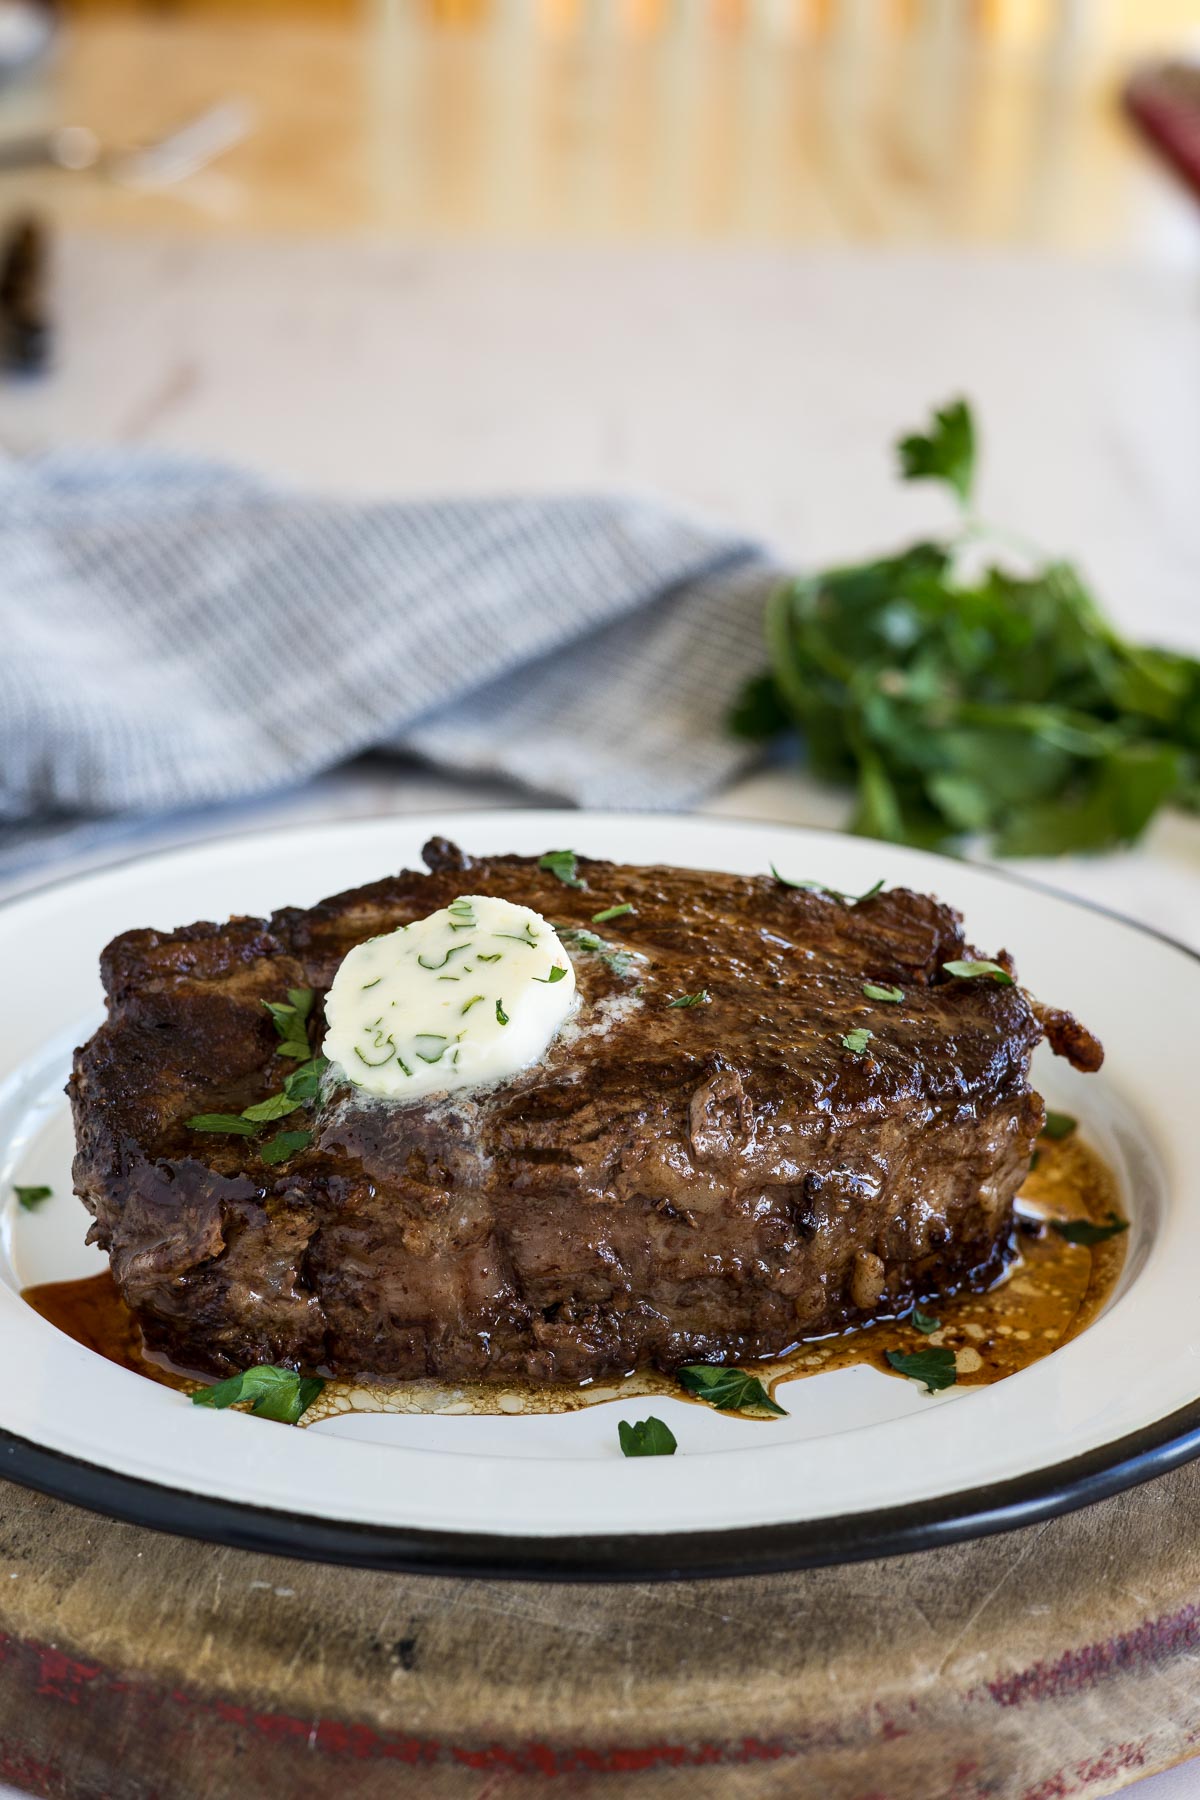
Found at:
<point>1164,102</point>
<point>24,319</point>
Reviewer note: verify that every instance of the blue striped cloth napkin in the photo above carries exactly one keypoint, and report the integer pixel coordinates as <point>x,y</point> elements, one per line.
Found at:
<point>177,635</point>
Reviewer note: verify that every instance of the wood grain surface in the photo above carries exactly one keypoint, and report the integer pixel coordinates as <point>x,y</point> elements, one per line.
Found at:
<point>1047,1664</point>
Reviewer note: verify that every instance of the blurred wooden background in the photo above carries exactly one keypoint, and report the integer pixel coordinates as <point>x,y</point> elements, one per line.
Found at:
<point>911,121</point>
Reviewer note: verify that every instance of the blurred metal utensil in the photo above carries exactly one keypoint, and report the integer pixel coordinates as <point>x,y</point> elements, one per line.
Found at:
<point>183,151</point>
<point>187,149</point>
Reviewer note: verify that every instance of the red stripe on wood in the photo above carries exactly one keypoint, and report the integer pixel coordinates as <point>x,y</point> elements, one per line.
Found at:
<point>1075,1670</point>
<point>54,1675</point>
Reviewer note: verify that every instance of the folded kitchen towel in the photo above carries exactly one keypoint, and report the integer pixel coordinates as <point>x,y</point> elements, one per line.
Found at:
<point>176,634</point>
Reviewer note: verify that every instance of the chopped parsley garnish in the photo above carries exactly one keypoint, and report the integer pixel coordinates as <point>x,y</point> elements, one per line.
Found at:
<point>304,1083</point>
<point>934,1366</point>
<point>454,950</point>
<point>649,1437</point>
<point>946,452</point>
<point>1058,1125</point>
<point>818,887</point>
<point>873,991</point>
<point>232,1123</point>
<point>973,971</point>
<point>971,695</point>
<point>30,1198</point>
<point>273,1393</point>
<point>1086,1232</point>
<point>617,960</point>
<point>923,1321</point>
<point>501,1015</point>
<point>301,1086</point>
<point>703,998</point>
<point>283,1145</point>
<point>275,1106</point>
<point>564,864</point>
<point>612,912</point>
<point>729,1390</point>
<point>856,1041</point>
<point>557,973</point>
<point>291,1022</point>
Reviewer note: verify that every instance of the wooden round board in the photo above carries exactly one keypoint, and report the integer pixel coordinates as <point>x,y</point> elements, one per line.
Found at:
<point>1049,1663</point>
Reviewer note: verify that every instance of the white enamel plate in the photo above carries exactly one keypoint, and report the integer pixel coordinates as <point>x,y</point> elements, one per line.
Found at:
<point>863,1464</point>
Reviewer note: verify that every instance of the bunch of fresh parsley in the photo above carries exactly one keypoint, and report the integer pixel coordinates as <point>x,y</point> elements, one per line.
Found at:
<point>976,699</point>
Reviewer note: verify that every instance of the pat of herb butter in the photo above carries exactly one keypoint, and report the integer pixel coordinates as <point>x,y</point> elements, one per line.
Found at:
<point>474,993</point>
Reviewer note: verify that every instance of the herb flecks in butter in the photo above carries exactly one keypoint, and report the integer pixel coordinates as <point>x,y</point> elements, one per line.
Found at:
<point>396,1032</point>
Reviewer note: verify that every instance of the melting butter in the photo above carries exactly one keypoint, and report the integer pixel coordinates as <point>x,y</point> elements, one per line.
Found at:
<point>474,993</point>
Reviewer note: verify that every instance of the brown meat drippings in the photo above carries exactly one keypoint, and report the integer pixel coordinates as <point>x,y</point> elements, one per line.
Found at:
<point>1049,1295</point>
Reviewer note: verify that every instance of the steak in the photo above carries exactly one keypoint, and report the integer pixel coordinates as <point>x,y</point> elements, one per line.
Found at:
<point>672,1184</point>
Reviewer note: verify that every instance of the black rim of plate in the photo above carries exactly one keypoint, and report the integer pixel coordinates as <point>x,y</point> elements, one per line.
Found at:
<point>950,1518</point>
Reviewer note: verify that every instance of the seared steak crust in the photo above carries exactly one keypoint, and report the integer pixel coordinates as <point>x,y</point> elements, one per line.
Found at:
<point>671,1185</point>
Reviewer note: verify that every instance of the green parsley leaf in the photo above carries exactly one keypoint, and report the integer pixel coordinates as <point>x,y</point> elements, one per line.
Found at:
<point>304,1083</point>
<point>564,864</point>
<point>935,1366</point>
<point>30,1198</point>
<point>945,452</point>
<point>874,992</point>
<point>759,710</point>
<point>857,1041</point>
<point>972,971</point>
<point>557,973</point>
<point>290,1022</point>
<point>729,1390</point>
<point>650,1437</point>
<point>278,1394</point>
<point>966,696</point>
<point>231,1123</point>
<point>1085,1231</point>
<point>703,998</point>
<point>612,912</point>
<point>283,1145</point>
<point>1058,1125</point>
<point>923,1321</point>
<point>501,1015</point>
<point>275,1106</point>
<point>818,887</point>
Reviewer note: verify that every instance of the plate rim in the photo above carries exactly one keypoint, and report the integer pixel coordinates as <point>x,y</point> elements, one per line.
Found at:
<point>902,1530</point>
<point>983,1510</point>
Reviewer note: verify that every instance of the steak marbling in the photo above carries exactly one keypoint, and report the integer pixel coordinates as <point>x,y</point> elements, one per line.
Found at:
<point>671,1185</point>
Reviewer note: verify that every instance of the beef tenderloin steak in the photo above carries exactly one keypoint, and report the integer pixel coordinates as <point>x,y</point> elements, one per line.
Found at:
<point>672,1184</point>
